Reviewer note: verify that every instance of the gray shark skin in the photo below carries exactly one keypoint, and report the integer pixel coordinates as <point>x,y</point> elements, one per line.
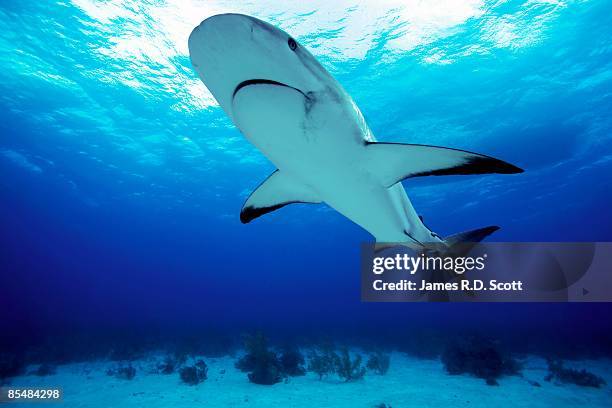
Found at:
<point>287,105</point>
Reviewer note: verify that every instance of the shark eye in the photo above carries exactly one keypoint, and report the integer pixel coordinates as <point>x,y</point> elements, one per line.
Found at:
<point>292,44</point>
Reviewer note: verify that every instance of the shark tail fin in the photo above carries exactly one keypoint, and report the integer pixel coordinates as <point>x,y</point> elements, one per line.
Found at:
<point>459,245</point>
<point>463,242</point>
<point>453,245</point>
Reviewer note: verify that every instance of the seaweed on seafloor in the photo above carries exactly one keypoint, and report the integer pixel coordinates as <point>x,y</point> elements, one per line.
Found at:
<point>379,362</point>
<point>292,362</point>
<point>168,365</point>
<point>180,356</point>
<point>255,345</point>
<point>322,361</point>
<point>263,365</point>
<point>266,373</point>
<point>246,363</point>
<point>479,357</point>
<point>195,374</point>
<point>347,368</point>
<point>582,378</point>
<point>124,372</point>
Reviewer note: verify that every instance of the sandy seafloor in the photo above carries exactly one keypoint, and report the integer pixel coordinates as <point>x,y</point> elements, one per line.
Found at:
<point>410,382</point>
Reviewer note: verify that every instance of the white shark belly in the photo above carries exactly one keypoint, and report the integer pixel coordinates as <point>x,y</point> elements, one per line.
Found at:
<point>375,208</point>
<point>324,148</point>
<point>345,184</point>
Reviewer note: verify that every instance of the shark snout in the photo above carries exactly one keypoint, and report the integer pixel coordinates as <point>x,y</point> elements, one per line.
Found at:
<point>233,52</point>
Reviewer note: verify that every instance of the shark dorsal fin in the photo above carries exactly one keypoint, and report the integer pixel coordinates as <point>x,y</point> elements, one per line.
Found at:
<point>394,162</point>
<point>275,192</point>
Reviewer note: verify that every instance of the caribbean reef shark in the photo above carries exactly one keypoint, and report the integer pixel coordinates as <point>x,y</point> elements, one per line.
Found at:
<point>288,106</point>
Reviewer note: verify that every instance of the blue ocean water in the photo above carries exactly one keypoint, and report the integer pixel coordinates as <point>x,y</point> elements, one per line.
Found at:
<point>121,180</point>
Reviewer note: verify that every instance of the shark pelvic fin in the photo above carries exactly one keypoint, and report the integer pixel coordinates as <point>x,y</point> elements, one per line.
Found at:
<point>275,192</point>
<point>394,162</point>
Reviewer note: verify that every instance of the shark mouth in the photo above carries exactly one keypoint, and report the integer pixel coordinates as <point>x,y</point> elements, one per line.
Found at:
<point>250,82</point>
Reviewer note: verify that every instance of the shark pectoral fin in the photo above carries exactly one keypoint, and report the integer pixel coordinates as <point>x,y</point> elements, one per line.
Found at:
<point>275,192</point>
<point>394,162</point>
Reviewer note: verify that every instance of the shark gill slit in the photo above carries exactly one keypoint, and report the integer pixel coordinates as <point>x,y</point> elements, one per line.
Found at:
<point>250,82</point>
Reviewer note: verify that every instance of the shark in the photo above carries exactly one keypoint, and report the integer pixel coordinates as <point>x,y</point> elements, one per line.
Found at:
<point>294,111</point>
